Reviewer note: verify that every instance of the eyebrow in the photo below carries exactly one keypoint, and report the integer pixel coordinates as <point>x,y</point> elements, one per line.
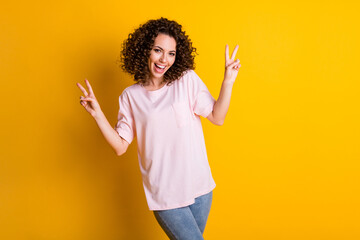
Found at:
<point>163,49</point>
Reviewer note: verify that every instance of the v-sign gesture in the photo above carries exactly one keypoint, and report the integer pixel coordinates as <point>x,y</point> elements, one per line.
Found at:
<point>221,105</point>
<point>231,65</point>
<point>91,105</point>
<point>89,102</point>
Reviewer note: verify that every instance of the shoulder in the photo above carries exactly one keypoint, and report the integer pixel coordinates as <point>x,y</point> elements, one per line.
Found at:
<point>131,90</point>
<point>192,79</point>
<point>130,93</point>
<point>189,74</point>
<point>189,77</point>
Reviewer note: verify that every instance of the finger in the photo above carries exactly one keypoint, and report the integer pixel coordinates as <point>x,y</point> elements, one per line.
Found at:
<point>231,62</point>
<point>234,52</point>
<point>227,53</point>
<point>82,89</point>
<point>85,105</point>
<point>237,66</point>
<point>237,61</point>
<point>89,87</point>
<point>88,99</point>
<point>82,102</point>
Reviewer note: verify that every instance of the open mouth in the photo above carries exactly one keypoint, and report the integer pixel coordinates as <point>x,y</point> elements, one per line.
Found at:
<point>159,68</point>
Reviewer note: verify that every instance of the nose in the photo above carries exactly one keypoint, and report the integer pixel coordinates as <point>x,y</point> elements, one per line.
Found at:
<point>163,58</point>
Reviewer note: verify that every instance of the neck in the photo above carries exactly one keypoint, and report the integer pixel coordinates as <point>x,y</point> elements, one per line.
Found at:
<point>154,84</point>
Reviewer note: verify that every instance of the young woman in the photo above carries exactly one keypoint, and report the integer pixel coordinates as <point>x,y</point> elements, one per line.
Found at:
<point>162,110</point>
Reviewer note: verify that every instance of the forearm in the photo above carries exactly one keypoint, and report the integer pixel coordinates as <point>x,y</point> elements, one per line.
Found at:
<point>222,104</point>
<point>111,136</point>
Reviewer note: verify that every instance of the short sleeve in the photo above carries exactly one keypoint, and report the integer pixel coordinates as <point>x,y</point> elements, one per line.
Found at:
<point>125,123</point>
<point>202,101</point>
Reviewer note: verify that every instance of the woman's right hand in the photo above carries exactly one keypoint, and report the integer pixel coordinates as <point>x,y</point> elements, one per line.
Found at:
<point>89,102</point>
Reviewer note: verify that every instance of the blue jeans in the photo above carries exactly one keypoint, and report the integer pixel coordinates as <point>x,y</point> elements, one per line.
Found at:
<point>186,223</point>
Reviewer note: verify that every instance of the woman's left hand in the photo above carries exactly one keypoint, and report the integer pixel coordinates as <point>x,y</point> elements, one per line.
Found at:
<point>231,65</point>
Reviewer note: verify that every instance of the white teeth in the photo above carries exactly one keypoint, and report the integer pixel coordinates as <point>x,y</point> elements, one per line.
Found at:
<point>162,67</point>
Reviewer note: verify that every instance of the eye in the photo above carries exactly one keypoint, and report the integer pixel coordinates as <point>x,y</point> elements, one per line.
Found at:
<point>157,50</point>
<point>172,54</point>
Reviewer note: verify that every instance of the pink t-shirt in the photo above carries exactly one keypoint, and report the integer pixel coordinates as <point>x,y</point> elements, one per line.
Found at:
<point>171,146</point>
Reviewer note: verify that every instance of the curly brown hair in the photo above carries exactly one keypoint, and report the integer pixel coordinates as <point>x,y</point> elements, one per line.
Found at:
<point>136,50</point>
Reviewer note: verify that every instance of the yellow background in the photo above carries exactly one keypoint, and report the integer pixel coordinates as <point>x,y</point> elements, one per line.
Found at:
<point>286,162</point>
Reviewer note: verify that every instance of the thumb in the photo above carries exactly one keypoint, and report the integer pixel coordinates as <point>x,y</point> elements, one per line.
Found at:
<point>89,99</point>
<point>234,63</point>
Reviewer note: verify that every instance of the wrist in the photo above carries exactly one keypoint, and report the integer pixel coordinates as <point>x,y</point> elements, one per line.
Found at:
<point>98,116</point>
<point>228,82</point>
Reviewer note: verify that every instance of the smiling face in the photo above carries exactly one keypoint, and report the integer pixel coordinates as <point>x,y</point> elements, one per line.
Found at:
<point>162,56</point>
